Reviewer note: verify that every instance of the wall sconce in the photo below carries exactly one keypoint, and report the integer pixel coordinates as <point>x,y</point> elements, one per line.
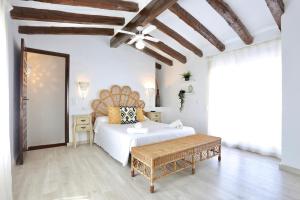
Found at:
<point>83,88</point>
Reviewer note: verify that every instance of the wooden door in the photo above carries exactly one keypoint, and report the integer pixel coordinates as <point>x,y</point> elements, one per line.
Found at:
<point>23,105</point>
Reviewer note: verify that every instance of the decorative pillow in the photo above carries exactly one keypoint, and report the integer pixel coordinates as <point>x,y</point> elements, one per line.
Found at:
<point>114,115</point>
<point>140,115</point>
<point>128,115</point>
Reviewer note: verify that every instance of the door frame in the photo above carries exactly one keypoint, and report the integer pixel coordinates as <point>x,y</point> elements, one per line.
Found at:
<point>67,75</point>
<point>22,99</point>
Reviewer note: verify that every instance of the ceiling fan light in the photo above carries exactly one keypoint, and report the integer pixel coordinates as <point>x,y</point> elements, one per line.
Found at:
<point>140,44</point>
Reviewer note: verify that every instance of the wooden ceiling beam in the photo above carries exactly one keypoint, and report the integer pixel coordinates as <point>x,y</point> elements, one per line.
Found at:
<point>65,30</point>
<point>145,16</point>
<point>153,54</point>
<point>277,9</point>
<point>23,13</point>
<point>173,34</point>
<point>196,25</point>
<point>102,4</point>
<point>157,56</point>
<point>232,19</point>
<point>168,50</point>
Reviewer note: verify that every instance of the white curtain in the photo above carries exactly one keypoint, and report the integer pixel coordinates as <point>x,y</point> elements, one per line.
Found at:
<point>245,98</point>
<point>5,157</point>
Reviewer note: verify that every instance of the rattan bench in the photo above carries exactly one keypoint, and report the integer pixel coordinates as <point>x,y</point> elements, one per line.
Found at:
<point>164,158</point>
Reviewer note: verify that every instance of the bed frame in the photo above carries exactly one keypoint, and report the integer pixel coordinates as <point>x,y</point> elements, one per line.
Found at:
<point>115,96</point>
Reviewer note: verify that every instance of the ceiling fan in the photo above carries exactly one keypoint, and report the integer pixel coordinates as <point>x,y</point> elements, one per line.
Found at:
<point>141,35</point>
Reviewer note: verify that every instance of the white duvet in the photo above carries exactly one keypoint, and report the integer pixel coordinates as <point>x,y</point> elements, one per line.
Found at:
<point>115,140</point>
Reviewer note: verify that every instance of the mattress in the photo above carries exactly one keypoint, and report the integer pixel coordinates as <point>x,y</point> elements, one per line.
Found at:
<point>115,140</point>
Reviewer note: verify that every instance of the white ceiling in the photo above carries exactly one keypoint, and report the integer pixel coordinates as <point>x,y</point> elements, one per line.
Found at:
<point>254,14</point>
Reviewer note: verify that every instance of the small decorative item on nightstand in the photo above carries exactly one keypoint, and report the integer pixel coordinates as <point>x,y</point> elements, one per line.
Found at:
<point>82,123</point>
<point>154,116</point>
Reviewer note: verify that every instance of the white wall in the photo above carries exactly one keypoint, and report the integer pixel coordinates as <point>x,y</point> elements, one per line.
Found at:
<point>91,59</point>
<point>194,112</point>
<point>291,85</point>
<point>14,60</point>
<point>46,105</point>
<point>5,155</point>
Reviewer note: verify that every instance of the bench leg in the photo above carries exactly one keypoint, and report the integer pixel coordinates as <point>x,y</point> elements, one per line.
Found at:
<point>193,171</point>
<point>193,165</point>
<point>219,157</point>
<point>151,180</point>
<point>131,167</point>
<point>151,188</point>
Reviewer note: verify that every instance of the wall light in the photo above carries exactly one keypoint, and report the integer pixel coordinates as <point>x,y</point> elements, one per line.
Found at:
<point>83,88</point>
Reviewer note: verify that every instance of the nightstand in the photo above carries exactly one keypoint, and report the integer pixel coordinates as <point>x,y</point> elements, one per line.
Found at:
<point>154,116</point>
<point>82,123</point>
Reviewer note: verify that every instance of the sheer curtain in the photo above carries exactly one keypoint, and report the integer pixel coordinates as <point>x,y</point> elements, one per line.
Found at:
<point>245,98</point>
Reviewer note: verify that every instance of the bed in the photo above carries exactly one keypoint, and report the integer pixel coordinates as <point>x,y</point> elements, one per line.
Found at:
<point>113,138</point>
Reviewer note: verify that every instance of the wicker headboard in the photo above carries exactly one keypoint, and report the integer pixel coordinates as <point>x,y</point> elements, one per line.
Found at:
<point>116,96</point>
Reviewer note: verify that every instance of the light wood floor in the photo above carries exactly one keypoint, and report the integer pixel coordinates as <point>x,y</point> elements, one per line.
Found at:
<point>89,173</point>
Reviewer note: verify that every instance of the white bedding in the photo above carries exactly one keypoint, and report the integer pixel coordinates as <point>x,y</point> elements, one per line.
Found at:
<point>115,140</point>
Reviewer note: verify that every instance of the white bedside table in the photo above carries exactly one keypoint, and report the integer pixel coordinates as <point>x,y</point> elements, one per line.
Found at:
<point>82,123</point>
<point>154,116</point>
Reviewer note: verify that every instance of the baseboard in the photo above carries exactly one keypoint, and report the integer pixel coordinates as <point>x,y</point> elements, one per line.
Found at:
<point>45,146</point>
<point>70,144</point>
<point>290,169</point>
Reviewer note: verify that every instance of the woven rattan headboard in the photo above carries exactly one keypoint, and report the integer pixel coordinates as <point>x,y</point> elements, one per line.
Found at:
<point>116,96</point>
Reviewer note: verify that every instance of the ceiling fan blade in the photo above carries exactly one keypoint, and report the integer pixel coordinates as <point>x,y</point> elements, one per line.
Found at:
<point>126,32</point>
<point>149,29</point>
<point>151,39</point>
<point>133,40</point>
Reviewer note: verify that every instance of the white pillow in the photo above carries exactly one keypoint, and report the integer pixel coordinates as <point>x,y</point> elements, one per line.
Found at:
<point>102,119</point>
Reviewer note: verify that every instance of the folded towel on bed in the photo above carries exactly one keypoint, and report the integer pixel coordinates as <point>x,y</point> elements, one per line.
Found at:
<point>137,130</point>
<point>138,125</point>
<point>176,124</point>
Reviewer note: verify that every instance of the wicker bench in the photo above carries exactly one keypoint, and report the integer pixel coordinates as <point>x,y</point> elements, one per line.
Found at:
<point>164,158</point>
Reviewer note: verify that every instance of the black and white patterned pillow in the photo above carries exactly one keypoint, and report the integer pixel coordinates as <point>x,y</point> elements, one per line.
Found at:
<point>128,115</point>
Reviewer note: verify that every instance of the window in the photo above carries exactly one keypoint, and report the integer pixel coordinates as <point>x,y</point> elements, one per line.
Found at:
<point>245,95</point>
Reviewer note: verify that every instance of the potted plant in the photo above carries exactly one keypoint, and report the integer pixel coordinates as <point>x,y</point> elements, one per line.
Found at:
<point>186,75</point>
<point>181,99</point>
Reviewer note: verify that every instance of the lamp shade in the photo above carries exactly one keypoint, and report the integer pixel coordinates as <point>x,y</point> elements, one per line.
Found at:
<point>83,88</point>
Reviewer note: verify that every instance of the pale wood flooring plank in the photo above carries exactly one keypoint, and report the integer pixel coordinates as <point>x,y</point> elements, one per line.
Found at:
<point>90,173</point>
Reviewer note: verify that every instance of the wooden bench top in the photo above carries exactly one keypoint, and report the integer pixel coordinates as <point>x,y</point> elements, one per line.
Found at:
<point>160,149</point>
